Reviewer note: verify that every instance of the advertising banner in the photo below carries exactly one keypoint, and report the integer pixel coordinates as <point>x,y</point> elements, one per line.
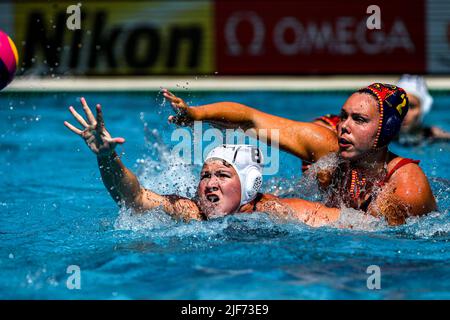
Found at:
<point>230,37</point>
<point>319,37</point>
<point>115,38</point>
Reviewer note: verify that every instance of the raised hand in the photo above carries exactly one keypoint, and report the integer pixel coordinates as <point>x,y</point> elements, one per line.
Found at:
<point>94,133</point>
<point>184,114</point>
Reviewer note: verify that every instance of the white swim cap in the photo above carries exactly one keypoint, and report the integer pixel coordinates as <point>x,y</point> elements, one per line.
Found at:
<point>247,161</point>
<point>416,85</point>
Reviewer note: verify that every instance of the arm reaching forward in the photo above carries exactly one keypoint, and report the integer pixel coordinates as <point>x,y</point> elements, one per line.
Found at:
<point>120,182</point>
<point>307,141</point>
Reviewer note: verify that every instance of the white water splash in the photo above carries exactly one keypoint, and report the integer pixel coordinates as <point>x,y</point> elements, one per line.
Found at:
<point>357,220</point>
<point>433,225</point>
<point>165,173</point>
<point>150,220</point>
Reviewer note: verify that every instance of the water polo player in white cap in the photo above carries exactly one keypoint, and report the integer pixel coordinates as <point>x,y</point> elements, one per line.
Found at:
<point>230,181</point>
<point>420,103</point>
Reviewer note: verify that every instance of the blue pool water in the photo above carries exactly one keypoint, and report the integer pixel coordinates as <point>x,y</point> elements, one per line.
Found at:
<point>55,212</point>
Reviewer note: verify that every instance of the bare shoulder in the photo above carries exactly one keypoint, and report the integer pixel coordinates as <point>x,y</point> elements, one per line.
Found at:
<point>409,185</point>
<point>409,175</point>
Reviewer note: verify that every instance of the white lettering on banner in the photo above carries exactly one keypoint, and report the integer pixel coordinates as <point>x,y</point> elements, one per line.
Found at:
<point>372,42</point>
<point>399,38</point>
<point>278,35</point>
<point>318,38</point>
<point>234,47</point>
<point>344,36</point>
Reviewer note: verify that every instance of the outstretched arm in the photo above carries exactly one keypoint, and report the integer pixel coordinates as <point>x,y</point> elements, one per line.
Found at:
<point>439,134</point>
<point>124,187</point>
<point>313,214</point>
<point>120,182</point>
<point>307,141</point>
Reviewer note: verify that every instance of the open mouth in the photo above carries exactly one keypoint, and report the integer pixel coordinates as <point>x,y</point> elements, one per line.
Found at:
<point>212,198</point>
<point>344,143</point>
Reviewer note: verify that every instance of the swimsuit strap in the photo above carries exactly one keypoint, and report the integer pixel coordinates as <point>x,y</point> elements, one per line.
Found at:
<point>399,164</point>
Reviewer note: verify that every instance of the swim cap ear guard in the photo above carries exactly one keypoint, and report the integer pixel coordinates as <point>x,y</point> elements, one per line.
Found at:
<point>253,183</point>
<point>247,160</point>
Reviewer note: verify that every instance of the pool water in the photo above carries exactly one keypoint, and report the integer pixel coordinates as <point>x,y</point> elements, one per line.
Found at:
<point>55,212</point>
